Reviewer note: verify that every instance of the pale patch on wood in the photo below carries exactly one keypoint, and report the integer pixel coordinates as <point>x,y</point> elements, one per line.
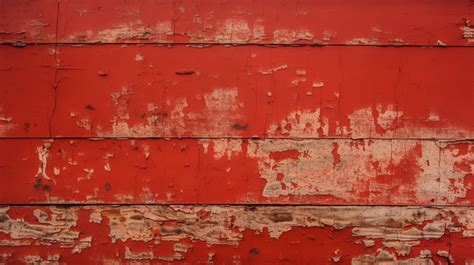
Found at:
<point>467,31</point>
<point>313,169</point>
<point>363,41</point>
<point>298,123</point>
<point>83,243</point>
<point>37,260</point>
<point>385,257</point>
<point>219,116</point>
<point>43,153</point>
<point>222,147</point>
<point>363,123</point>
<point>268,71</point>
<point>400,228</point>
<point>227,31</point>
<point>135,30</point>
<point>291,36</point>
<point>55,228</point>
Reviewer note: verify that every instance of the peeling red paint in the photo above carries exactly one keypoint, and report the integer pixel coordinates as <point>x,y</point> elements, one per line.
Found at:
<point>148,99</point>
<point>237,171</point>
<point>236,132</point>
<point>237,234</point>
<point>431,22</point>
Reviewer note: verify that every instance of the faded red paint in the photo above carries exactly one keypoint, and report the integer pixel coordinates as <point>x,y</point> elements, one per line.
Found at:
<point>218,126</point>
<point>433,22</point>
<point>237,171</point>
<point>103,91</point>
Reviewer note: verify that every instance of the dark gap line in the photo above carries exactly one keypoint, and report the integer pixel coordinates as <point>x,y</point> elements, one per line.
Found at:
<point>233,138</point>
<point>231,205</point>
<point>270,45</point>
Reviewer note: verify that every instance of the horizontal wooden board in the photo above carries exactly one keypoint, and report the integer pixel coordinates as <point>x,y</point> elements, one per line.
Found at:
<point>288,92</point>
<point>236,235</point>
<point>367,22</point>
<point>237,171</point>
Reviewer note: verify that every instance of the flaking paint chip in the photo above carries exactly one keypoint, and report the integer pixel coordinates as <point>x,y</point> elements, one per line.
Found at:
<point>138,57</point>
<point>440,43</point>
<point>300,72</point>
<point>318,84</point>
<point>433,117</point>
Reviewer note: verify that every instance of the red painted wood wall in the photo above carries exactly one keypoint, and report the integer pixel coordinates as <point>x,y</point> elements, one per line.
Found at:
<point>236,132</point>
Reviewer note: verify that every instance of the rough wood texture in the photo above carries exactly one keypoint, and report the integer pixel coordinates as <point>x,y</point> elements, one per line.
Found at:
<point>220,132</point>
<point>367,22</point>
<point>297,92</point>
<point>237,235</point>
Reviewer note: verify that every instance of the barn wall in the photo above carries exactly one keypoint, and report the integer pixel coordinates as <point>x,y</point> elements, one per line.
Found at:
<point>236,132</point>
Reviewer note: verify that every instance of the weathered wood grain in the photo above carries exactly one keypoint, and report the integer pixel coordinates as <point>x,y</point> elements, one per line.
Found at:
<point>219,132</point>
<point>368,22</point>
<point>288,92</point>
<point>236,235</point>
<point>237,171</point>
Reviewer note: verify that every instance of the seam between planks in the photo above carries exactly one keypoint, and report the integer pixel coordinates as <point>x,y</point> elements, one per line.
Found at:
<point>124,138</point>
<point>270,45</point>
<point>75,204</point>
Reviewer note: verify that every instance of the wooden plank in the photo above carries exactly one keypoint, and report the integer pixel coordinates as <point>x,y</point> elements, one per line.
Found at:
<point>237,235</point>
<point>305,92</point>
<point>367,22</point>
<point>222,171</point>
